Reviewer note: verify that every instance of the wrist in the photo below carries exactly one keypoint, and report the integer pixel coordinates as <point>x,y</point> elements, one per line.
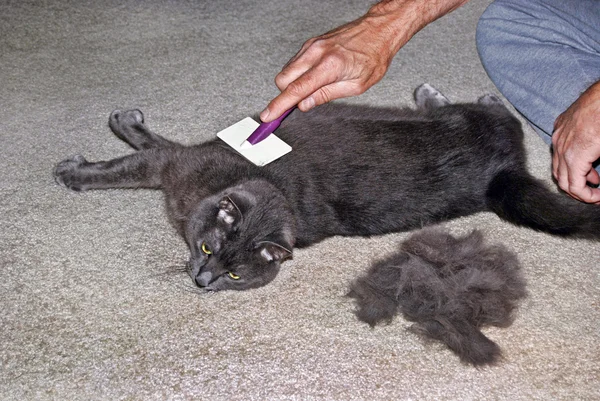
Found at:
<point>588,105</point>
<point>592,94</point>
<point>400,20</point>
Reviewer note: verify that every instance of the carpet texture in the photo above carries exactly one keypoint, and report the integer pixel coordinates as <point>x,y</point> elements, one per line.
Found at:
<point>92,304</point>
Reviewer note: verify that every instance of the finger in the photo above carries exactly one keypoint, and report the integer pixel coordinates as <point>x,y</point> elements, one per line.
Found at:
<point>302,50</point>
<point>560,169</point>
<point>587,194</point>
<point>298,90</point>
<point>327,93</point>
<point>303,61</point>
<point>577,179</point>
<point>578,186</point>
<point>293,70</point>
<point>593,177</point>
<point>556,152</point>
<point>290,73</point>
<point>555,164</point>
<point>562,175</point>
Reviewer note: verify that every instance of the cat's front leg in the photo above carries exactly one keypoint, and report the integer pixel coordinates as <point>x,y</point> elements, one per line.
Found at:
<point>129,126</point>
<point>139,170</point>
<point>66,172</point>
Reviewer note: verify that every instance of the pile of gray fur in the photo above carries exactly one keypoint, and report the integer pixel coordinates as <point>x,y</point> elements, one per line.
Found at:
<point>450,287</point>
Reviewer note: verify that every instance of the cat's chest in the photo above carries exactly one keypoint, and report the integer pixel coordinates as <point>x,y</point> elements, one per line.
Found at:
<point>203,171</point>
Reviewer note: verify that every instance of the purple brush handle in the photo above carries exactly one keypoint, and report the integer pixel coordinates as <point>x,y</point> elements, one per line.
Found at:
<point>266,129</point>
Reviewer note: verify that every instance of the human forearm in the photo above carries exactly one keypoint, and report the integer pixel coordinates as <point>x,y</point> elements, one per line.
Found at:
<point>348,60</point>
<point>400,20</point>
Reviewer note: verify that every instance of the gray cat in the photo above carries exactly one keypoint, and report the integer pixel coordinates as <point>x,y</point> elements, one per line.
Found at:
<point>354,170</point>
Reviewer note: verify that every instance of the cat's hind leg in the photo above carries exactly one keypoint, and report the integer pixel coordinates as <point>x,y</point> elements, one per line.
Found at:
<point>493,102</point>
<point>427,97</point>
<point>129,126</point>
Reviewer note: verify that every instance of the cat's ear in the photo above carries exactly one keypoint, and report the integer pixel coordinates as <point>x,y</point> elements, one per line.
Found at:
<point>277,246</point>
<point>272,251</point>
<point>229,212</point>
<point>233,206</point>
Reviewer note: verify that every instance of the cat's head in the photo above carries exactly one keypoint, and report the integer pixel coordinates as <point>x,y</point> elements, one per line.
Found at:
<point>239,237</point>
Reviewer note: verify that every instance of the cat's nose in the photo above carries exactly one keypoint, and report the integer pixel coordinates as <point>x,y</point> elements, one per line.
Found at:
<point>194,267</point>
<point>204,279</point>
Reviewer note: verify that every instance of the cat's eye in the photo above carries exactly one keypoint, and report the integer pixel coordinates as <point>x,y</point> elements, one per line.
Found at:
<point>206,249</point>
<point>233,276</point>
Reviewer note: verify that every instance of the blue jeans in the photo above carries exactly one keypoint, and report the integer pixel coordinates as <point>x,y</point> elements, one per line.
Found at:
<point>541,54</point>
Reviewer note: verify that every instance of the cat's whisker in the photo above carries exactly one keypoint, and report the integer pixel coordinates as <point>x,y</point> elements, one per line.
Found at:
<point>191,289</point>
<point>172,270</point>
<point>177,275</point>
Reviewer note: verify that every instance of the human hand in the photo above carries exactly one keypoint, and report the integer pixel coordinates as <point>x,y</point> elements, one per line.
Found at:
<point>344,62</point>
<point>576,145</point>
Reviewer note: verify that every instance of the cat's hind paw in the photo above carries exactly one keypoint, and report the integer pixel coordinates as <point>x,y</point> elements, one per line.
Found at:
<point>490,100</point>
<point>427,97</point>
<point>67,174</point>
<point>493,102</point>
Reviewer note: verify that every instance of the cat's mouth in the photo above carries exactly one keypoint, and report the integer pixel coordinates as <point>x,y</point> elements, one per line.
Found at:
<point>193,269</point>
<point>204,280</point>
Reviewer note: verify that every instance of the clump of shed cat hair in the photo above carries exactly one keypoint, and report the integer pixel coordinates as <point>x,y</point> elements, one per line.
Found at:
<point>449,286</point>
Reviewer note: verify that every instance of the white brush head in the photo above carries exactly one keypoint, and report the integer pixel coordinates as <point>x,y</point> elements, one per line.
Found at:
<point>269,149</point>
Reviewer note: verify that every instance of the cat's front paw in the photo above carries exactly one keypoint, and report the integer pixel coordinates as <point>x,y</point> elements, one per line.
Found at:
<point>67,172</point>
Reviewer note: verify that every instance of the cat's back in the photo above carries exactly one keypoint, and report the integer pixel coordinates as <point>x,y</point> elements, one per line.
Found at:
<point>356,170</point>
<point>338,135</point>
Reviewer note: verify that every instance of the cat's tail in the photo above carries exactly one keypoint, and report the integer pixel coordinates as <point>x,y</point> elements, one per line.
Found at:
<point>526,201</point>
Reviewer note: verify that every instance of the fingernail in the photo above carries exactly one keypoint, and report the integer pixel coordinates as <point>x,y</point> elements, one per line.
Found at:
<point>264,115</point>
<point>308,103</point>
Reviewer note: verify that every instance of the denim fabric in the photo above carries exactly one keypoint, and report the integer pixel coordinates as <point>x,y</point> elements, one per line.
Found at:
<point>541,54</point>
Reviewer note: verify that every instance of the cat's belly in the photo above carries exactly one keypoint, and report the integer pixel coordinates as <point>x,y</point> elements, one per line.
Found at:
<point>380,216</point>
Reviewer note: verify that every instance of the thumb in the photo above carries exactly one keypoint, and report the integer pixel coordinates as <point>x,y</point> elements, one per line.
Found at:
<point>593,177</point>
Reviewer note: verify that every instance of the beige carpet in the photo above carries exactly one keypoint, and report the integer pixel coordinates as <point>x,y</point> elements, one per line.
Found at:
<point>90,306</point>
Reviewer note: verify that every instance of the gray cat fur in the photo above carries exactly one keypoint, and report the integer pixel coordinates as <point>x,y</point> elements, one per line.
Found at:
<point>450,287</point>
